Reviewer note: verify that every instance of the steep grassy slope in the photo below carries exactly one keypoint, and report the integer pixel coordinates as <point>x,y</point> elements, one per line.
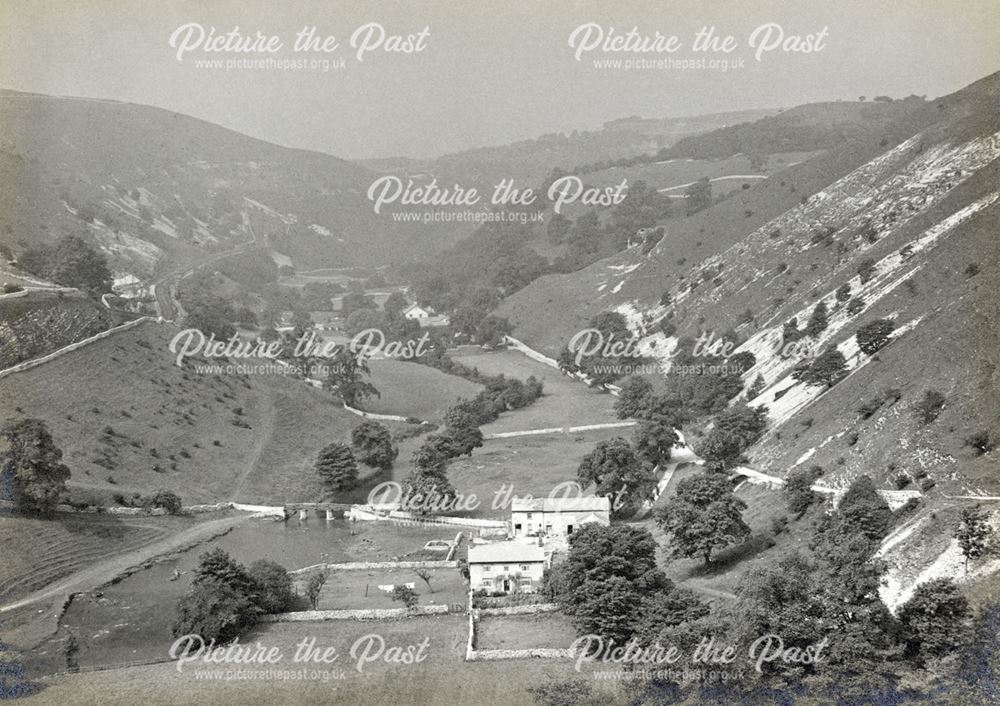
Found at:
<point>129,420</point>
<point>757,228</point>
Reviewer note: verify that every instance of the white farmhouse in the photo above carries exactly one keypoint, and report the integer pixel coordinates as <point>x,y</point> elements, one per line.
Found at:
<point>425,316</point>
<point>557,516</point>
<point>506,566</point>
<point>417,312</point>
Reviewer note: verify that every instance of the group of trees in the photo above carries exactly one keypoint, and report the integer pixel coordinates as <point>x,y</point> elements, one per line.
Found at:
<point>603,368</point>
<point>226,597</point>
<point>371,444</point>
<point>611,585</point>
<point>71,262</point>
<point>616,469</point>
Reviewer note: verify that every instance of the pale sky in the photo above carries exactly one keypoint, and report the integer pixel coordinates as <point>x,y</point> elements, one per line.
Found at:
<point>489,73</point>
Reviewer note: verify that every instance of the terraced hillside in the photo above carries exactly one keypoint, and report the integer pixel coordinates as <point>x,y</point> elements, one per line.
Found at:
<point>40,322</point>
<point>39,552</point>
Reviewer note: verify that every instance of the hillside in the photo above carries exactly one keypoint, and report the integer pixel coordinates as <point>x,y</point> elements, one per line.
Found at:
<point>914,205</point>
<point>129,420</point>
<point>531,160</point>
<point>153,187</point>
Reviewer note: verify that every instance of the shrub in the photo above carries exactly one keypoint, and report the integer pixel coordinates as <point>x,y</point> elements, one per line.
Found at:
<point>980,441</point>
<point>866,270</point>
<point>799,491</point>
<point>164,499</point>
<point>874,335</point>
<point>929,407</point>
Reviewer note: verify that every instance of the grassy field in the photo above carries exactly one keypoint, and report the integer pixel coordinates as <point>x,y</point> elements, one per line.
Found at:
<point>442,677</point>
<point>531,465</point>
<point>354,590</point>
<point>129,420</point>
<point>522,632</point>
<point>414,390</point>
<point>565,402</point>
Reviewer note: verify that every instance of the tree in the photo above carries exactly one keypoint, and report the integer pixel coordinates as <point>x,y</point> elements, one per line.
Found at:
<point>337,467</point>
<point>634,398</point>
<point>273,586</point>
<point>405,595</point>
<point>817,320</point>
<point>345,377</point>
<point>32,475</point>
<point>613,467</point>
<point>798,489</point>
<point>973,533</point>
<point>698,196</point>
<point>844,292</point>
<point>862,511</point>
<point>492,330</point>
<point>314,587</point>
<point>756,387</point>
<point>735,431</point>
<point>427,486</point>
<point>721,450</point>
<point>70,262</point>
<point>703,516</point>
<point>935,619</point>
<point>874,335</point>
<point>607,573</point>
<point>866,270</point>
<point>372,444</point>
<point>443,445</point>
<point>394,306</point>
<point>654,441</point>
<point>463,428</point>
<point>855,305</point>
<point>781,599</point>
<point>220,604</point>
<point>425,576</point>
<point>827,369</point>
<point>218,566</point>
<point>664,610</point>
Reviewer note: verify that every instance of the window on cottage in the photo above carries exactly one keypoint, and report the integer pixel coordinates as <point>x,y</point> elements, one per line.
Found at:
<point>524,567</point>
<point>487,567</point>
<point>529,515</point>
<point>506,568</point>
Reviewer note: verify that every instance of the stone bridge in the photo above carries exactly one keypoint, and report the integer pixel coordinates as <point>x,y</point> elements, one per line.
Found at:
<point>331,510</point>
